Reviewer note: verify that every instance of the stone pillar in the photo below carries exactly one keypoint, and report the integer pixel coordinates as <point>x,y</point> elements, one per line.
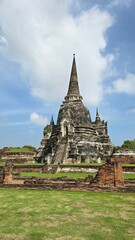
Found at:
<point>7,172</point>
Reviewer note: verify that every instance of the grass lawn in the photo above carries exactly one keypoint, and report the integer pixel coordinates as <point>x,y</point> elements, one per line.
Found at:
<point>64,215</point>
<point>84,164</point>
<point>69,175</point>
<point>19,150</point>
<point>2,163</point>
<point>129,175</point>
<point>71,164</point>
<point>128,164</point>
<point>29,163</point>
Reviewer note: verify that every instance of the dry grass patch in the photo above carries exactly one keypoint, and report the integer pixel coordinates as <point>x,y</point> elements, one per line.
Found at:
<point>12,237</point>
<point>131,231</point>
<point>69,238</point>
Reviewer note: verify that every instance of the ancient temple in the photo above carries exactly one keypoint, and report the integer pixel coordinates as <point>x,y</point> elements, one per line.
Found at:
<point>75,137</point>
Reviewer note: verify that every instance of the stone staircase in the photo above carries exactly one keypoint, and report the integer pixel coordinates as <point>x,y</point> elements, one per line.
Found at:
<point>60,151</point>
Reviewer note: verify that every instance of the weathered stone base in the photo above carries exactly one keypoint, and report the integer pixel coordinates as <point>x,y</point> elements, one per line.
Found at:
<point>127,189</point>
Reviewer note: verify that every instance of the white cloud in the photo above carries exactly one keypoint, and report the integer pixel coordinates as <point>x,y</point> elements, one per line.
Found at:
<point>126,3</point>
<point>126,85</point>
<point>3,41</point>
<point>42,36</point>
<point>38,119</point>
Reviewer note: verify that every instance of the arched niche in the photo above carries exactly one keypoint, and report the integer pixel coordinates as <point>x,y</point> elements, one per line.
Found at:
<point>64,128</point>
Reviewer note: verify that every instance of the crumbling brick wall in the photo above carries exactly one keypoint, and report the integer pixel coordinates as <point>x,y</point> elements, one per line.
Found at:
<point>125,158</point>
<point>7,172</point>
<point>109,174</point>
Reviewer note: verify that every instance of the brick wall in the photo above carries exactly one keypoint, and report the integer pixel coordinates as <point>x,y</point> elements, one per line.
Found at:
<point>125,158</point>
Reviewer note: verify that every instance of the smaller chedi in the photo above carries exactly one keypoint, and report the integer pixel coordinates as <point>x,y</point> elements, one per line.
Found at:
<point>75,137</point>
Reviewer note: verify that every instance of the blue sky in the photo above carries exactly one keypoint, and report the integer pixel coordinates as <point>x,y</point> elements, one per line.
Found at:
<point>37,42</point>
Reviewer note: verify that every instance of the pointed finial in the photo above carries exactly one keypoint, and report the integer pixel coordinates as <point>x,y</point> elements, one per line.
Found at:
<point>52,121</point>
<point>74,70</point>
<point>73,89</point>
<point>97,116</point>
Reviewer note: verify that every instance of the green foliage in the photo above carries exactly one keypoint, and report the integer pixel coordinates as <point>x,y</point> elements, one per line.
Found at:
<point>129,144</point>
<point>38,215</point>
<point>30,148</point>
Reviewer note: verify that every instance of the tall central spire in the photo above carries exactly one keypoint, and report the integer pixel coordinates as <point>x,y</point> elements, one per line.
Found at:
<point>73,89</point>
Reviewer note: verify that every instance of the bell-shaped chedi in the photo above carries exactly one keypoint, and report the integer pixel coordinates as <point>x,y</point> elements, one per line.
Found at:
<point>75,138</point>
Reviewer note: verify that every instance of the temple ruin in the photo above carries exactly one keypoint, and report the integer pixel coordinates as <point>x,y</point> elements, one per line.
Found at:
<point>75,137</point>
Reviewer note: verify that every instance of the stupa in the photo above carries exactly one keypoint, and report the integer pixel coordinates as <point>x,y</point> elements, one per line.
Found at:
<point>75,137</point>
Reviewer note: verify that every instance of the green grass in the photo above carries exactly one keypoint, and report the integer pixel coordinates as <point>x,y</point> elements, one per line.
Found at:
<point>92,164</point>
<point>71,164</point>
<point>84,164</point>
<point>129,175</point>
<point>19,150</point>
<point>128,164</point>
<point>2,163</point>
<point>64,215</point>
<point>69,175</point>
<point>41,164</point>
<point>29,163</point>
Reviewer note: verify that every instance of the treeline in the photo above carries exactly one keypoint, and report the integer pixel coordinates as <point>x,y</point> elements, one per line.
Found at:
<point>130,144</point>
<point>25,148</point>
<point>31,148</point>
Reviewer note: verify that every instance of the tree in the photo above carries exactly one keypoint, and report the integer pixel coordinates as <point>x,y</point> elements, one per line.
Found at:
<point>129,144</point>
<point>30,148</point>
